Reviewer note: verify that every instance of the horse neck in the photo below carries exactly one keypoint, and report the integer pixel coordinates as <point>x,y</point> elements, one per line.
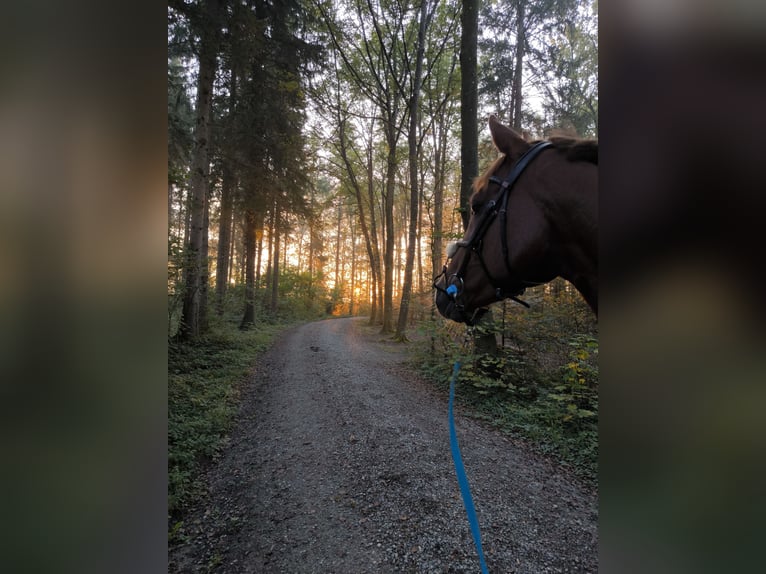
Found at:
<point>571,203</point>
<point>588,288</point>
<point>581,270</point>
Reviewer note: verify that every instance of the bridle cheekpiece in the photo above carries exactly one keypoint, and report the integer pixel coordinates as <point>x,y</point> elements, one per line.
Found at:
<point>454,289</point>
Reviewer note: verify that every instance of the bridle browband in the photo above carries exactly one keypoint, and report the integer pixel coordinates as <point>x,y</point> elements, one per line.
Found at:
<point>497,206</point>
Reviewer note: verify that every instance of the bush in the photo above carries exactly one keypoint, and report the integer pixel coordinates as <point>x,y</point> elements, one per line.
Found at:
<point>543,382</point>
<point>204,379</point>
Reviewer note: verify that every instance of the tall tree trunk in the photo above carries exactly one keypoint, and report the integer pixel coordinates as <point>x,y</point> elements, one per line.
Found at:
<point>469,102</point>
<point>269,260</point>
<point>439,169</point>
<point>353,269</point>
<point>312,234</point>
<point>422,275</point>
<point>469,147</point>
<point>370,239</point>
<point>191,326</point>
<point>204,280</point>
<point>284,242</point>
<point>373,296</point>
<point>275,269</point>
<point>388,284</point>
<point>259,251</point>
<point>248,318</point>
<point>171,223</point>
<point>337,248</point>
<point>186,212</point>
<point>412,138</point>
<point>225,223</point>
<point>521,40</point>
<point>376,311</point>
<point>232,249</point>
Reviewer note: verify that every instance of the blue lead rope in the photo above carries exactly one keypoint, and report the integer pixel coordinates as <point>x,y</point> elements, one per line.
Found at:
<point>462,479</point>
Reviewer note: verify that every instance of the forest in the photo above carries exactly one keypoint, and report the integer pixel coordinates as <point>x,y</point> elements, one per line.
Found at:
<point>314,147</point>
<point>320,157</point>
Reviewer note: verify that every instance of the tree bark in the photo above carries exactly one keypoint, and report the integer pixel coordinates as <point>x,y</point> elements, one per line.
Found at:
<point>171,223</point>
<point>269,261</point>
<point>376,311</point>
<point>337,248</point>
<point>191,324</point>
<point>439,169</point>
<point>204,280</point>
<point>412,137</point>
<point>469,100</point>
<point>248,318</point>
<point>419,249</point>
<point>519,68</point>
<point>388,282</point>
<point>275,268</point>
<point>224,237</point>
<point>353,268</point>
<point>469,148</point>
<point>370,240</point>
<point>185,204</point>
<point>225,223</point>
<point>259,251</point>
<point>232,244</point>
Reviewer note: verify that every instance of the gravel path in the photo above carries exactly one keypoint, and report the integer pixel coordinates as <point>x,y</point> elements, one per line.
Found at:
<point>340,463</point>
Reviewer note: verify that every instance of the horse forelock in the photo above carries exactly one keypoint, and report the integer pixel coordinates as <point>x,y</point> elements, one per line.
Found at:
<point>480,182</point>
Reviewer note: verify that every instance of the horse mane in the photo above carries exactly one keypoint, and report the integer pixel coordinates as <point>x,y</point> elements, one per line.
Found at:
<point>481,181</point>
<point>575,149</point>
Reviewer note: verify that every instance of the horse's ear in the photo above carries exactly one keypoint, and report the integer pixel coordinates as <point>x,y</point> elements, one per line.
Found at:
<point>505,139</point>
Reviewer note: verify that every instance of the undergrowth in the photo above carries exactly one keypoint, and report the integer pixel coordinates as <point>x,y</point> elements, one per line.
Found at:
<point>541,385</point>
<point>203,385</point>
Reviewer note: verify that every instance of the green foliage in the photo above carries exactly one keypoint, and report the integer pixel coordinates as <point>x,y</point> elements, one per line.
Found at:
<point>502,375</point>
<point>542,385</point>
<point>175,282</point>
<point>303,296</point>
<point>203,384</point>
<point>571,84</point>
<point>577,394</point>
<point>560,63</point>
<point>180,123</point>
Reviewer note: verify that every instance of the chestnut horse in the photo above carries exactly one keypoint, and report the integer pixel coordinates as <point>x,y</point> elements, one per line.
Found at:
<point>534,217</point>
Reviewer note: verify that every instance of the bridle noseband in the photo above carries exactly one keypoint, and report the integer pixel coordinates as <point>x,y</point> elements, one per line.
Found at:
<point>454,290</point>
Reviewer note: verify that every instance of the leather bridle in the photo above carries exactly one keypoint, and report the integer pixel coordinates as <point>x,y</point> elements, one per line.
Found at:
<point>497,206</point>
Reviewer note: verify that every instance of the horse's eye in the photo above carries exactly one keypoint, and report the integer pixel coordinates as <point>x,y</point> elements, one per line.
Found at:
<point>475,207</point>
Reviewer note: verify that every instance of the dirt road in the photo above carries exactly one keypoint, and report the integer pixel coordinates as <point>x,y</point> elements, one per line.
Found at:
<point>340,463</point>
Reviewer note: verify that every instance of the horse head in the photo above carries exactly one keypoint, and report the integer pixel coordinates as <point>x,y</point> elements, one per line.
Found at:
<point>533,218</point>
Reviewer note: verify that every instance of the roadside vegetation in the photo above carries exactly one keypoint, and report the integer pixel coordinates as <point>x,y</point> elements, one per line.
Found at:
<point>542,384</point>
<point>203,387</point>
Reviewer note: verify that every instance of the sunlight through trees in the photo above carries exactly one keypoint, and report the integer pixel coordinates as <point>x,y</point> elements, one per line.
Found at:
<point>314,147</point>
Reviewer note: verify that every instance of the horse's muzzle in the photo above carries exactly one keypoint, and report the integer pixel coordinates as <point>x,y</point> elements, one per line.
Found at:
<point>447,307</point>
<point>446,296</point>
